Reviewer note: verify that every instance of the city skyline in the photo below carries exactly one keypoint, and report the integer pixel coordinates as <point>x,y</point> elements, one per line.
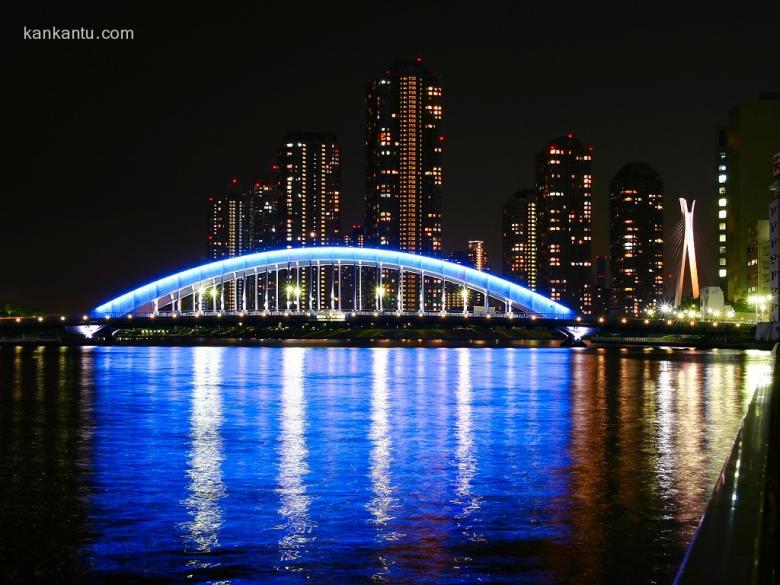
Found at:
<point>180,143</point>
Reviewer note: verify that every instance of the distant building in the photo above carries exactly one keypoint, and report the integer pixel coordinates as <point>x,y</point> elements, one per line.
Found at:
<point>230,234</point>
<point>636,238</point>
<point>752,136</point>
<point>230,223</point>
<point>758,258</point>
<point>356,237</point>
<point>404,144</point>
<point>404,173</point>
<point>476,253</point>
<point>711,302</point>
<point>519,239</point>
<point>310,188</point>
<point>267,220</point>
<point>564,185</point>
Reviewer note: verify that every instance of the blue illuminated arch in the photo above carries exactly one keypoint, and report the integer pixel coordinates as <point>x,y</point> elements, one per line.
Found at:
<point>229,269</point>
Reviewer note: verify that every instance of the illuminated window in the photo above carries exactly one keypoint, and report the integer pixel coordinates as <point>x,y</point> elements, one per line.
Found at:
<point>722,238</point>
<point>721,178</point>
<point>722,226</point>
<point>722,273</point>
<point>722,213</point>
<point>722,202</point>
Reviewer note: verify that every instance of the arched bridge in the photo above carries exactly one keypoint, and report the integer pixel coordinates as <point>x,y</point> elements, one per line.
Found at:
<point>332,281</point>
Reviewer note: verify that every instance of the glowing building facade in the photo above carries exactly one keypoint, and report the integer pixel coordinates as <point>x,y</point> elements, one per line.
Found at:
<point>404,174</point>
<point>519,243</point>
<point>404,146</point>
<point>267,220</point>
<point>747,143</point>
<point>230,223</point>
<point>310,189</point>
<point>476,254</point>
<point>636,238</point>
<point>564,186</point>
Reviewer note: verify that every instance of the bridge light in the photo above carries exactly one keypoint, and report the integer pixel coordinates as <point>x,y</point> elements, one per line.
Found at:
<point>624,320</point>
<point>129,316</point>
<point>84,317</point>
<point>40,319</point>
<point>714,323</point>
<point>668,321</point>
<point>62,318</point>
<point>240,323</point>
<point>578,319</point>
<point>647,321</point>
<point>533,317</point>
<point>18,320</point>
<point>666,308</point>
<point>601,319</point>
<point>108,317</point>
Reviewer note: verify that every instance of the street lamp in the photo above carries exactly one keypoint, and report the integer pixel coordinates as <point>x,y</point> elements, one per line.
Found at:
<point>290,291</point>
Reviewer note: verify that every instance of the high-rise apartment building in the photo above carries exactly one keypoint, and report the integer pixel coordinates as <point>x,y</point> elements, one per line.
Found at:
<point>404,145</point>
<point>519,243</point>
<point>267,224</point>
<point>564,186</point>
<point>230,223</point>
<point>636,238</point>
<point>751,137</point>
<point>476,253</point>
<point>404,175</point>
<point>310,189</point>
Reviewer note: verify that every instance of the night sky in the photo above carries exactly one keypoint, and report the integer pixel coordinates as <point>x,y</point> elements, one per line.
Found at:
<point>112,147</point>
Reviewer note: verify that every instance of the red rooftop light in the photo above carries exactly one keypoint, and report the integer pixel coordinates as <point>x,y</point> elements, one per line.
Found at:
<point>419,59</point>
<point>234,180</point>
<point>570,135</point>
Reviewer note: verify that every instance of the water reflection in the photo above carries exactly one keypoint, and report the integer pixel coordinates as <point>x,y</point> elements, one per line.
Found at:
<point>295,501</point>
<point>206,487</point>
<point>464,450</point>
<point>406,465</point>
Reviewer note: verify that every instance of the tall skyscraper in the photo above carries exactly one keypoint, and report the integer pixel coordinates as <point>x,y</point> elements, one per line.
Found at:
<point>476,253</point>
<point>519,244</point>
<point>636,238</point>
<point>751,138</point>
<point>404,144</point>
<point>230,223</point>
<point>564,186</point>
<point>268,223</point>
<point>310,189</point>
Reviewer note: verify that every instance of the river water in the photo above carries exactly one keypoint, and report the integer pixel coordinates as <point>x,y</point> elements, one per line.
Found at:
<point>341,465</point>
